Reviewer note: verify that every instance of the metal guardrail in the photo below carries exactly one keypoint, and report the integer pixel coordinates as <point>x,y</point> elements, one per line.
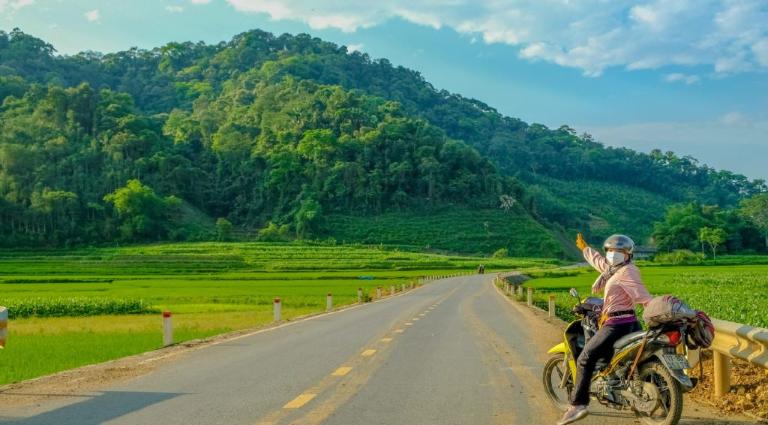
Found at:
<point>735,340</point>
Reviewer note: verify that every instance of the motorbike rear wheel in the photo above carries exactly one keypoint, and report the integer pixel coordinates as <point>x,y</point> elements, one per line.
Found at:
<point>552,377</point>
<point>670,406</point>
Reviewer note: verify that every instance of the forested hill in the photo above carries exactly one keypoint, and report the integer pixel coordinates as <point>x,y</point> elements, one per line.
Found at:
<point>297,136</point>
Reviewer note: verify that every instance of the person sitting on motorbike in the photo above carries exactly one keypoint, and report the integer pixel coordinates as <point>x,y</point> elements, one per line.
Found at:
<point>622,287</point>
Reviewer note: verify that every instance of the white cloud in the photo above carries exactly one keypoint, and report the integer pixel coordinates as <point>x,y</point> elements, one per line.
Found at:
<point>92,15</point>
<point>174,9</point>
<point>760,50</point>
<point>14,5</point>
<point>355,47</point>
<point>728,36</point>
<point>734,118</point>
<point>677,77</point>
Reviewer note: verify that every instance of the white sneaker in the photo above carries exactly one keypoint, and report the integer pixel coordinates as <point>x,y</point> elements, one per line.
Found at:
<point>573,414</point>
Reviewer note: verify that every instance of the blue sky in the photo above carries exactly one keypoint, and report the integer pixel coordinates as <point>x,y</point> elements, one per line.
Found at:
<point>684,75</point>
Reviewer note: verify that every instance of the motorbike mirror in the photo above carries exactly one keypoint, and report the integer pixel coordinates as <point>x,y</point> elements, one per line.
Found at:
<point>574,293</point>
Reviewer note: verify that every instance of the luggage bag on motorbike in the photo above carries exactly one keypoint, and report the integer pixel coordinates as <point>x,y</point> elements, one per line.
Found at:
<point>700,332</point>
<point>668,309</point>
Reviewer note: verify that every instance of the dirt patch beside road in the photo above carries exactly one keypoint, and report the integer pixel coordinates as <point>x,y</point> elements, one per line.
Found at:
<point>749,388</point>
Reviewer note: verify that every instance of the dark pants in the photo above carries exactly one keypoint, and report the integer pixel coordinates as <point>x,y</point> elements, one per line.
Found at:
<point>598,347</point>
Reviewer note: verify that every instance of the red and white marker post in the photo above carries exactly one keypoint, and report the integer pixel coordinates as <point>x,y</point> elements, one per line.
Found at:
<point>167,329</point>
<point>3,326</point>
<point>276,309</point>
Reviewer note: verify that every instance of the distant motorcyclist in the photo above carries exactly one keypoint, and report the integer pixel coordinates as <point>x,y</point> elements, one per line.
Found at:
<point>622,287</point>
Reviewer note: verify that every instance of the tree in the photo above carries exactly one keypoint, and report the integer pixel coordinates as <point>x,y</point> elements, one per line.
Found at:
<point>755,209</point>
<point>223,229</point>
<point>144,215</point>
<point>307,219</point>
<point>713,236</point>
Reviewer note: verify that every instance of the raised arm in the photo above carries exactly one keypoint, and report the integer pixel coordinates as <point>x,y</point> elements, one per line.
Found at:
<point>595,259</point>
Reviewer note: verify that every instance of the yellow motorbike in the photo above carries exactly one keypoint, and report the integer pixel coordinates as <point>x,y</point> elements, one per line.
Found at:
<point>645,373</point>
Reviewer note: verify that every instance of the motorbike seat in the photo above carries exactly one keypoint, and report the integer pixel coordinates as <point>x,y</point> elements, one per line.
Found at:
<point>628,339</point>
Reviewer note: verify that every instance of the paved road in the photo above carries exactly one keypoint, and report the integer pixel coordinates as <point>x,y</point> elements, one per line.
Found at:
<point>453,352</point>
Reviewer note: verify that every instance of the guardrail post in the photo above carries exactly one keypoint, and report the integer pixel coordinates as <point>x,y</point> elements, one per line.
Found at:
<point>392,290</point>
<point>722,382</point>
<point>551,306</point>
<point>530,297</point>
<point>378,292</point>
<point>402,287</point>
<point>276,309</point>
<point>329,302</point>
<point>167,329</point>
<point>520,291</point>
<point>359,295</point>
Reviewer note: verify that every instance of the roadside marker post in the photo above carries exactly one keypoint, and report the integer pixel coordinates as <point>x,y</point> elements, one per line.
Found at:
<point>359,295</point>
<point>3,326</point>
<point>276,309</point>
<point>551,306</point>
<point>329,302</point>
<point>167,329</point>
<point>392,290</point>
<point>530,297</point>
<point>378,292</point>
<point>402,287</point>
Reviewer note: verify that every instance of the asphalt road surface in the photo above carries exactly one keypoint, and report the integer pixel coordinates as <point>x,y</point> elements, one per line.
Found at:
<point>452,352</point>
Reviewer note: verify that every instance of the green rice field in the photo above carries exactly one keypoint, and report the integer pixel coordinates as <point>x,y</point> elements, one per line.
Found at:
<point>76,307</point>
<point>736,293</point>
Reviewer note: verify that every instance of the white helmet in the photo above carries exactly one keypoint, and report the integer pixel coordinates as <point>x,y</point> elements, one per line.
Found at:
<point>620,242</point>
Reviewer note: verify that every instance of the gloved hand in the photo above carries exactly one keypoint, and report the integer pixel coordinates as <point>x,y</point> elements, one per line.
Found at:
<point>580,242</point>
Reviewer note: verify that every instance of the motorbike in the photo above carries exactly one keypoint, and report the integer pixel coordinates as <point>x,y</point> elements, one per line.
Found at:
<point>645,374</point>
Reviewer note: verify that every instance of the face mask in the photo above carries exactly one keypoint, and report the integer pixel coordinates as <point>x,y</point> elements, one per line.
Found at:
<point>615,257</point>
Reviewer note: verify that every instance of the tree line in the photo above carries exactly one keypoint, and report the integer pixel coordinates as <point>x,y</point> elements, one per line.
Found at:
<point>79,165</point>
<point>712,229</point>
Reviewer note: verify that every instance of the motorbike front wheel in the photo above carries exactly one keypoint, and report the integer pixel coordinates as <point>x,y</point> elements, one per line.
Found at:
<point>670,396</point>
<point>554,369</point>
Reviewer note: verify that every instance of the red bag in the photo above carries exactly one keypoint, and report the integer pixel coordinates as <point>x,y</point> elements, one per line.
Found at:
<point>701,331</point>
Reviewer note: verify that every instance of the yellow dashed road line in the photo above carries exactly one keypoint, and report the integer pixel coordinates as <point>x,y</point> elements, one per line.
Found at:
<point>368,353</point>
<point>399,331</point>
<point>408,324</point>
<point>341,371</point>
<point>299,401</point>
<point>386,339</point>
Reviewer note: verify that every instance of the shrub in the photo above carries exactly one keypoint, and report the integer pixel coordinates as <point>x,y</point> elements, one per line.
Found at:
<point>58,307</point>
<point>274,233</point>
<point>680,256</point>
<point>501,253</point>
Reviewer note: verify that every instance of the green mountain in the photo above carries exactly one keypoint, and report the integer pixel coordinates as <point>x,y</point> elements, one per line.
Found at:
<point>299,132</point>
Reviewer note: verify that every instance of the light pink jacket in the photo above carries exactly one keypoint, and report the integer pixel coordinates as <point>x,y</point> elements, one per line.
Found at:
<point>623,290</point>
